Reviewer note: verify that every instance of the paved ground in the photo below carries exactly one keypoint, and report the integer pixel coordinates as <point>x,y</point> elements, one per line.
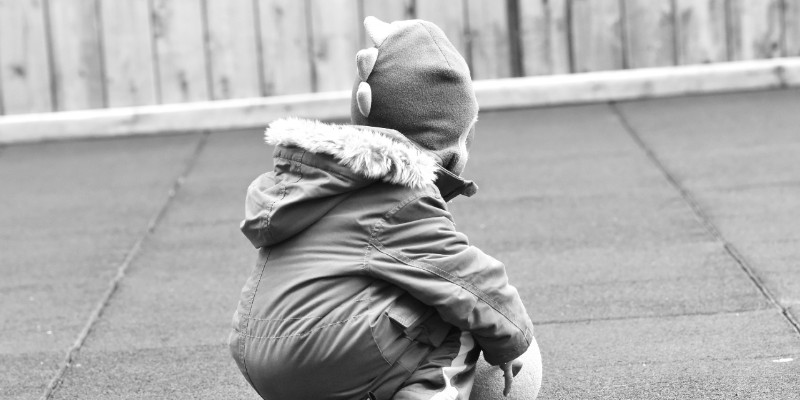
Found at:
<point>655,243</point>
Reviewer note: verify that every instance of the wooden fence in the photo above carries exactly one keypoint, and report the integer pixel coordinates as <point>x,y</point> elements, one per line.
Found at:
<point>77,54</point>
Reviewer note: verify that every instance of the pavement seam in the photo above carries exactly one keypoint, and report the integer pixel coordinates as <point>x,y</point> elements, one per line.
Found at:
<point>749,186</point>
<point>73,351</point>
<point>654,316</point>
<point>705,219</point>
<point>684,361</point>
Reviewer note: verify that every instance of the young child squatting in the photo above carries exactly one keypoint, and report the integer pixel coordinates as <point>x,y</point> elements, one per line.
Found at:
<point>363,288</point>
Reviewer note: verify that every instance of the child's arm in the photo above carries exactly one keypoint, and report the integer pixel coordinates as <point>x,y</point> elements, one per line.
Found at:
<point>417,248</point>
<point>510,370</point>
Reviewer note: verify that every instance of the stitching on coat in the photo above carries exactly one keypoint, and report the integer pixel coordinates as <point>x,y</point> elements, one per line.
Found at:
<point>372,334</point>
<point>330,171</point>
<point>245,321</point>
<point>374,242</point>
<point>378,227</point>
<point>409,370</point>
<point>372,327</point>
<point>280,319</point>
<point>306,333</point>
<point>284,192</point>
<point>444,275</point>
<point>425,266</point>
<point>448,277</point>
<point>263,223</point>
<point>365,262</point>
<point>269,211</point>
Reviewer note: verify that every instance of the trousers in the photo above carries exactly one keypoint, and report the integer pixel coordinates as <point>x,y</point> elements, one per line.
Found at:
<point>431,360</point>
<point>446,373</point>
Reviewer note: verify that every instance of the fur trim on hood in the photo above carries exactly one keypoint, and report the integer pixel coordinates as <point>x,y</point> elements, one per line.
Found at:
<point>370,152</point>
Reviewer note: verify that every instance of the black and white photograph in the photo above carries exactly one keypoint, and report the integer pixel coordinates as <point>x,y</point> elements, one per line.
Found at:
<point>399,199</point>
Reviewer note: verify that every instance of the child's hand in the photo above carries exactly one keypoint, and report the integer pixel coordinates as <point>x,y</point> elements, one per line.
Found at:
<point>510,370</point>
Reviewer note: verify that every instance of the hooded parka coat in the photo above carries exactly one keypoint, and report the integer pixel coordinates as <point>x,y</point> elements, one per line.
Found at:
<point>360,269</point>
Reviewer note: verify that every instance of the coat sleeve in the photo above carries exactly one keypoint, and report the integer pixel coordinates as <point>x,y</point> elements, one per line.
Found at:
<point>417,248</point>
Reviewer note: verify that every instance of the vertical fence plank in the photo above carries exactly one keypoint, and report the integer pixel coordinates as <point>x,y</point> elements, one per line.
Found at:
<point>649,32</point>
<point>755,29</point>
<point>336,33</point>
<point>180,50</point>
<point>701,33</point>
<point>448,15</point>
<point>543,37</point>
<point>489,39</point>
<point>24,63</point>
<point>534,32</point>
<point>232,49</point>
<point>559,37</point>
<point>389,10</point>
<point>791,34</point>
<point>285,53</point>
<point>596,35</point>
<point>128,53</point>
<point>75,36</point>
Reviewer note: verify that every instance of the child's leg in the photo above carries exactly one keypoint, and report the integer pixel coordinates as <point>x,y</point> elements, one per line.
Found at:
<point>447,373</point>
<point>450,371</point>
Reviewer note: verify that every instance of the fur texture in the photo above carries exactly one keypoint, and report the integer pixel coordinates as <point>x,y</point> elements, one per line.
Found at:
<point>372,153</point>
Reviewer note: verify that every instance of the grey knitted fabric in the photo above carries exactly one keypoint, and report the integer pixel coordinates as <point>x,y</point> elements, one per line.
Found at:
<point>422,88</point>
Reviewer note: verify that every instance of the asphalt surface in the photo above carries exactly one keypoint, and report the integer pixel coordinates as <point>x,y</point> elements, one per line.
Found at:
<point>655,244</point>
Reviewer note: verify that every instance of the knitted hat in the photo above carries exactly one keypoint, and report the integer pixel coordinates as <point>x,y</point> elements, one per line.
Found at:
<point>414,81</point>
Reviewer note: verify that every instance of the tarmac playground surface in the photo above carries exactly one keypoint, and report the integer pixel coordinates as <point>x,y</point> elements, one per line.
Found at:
<point>655,244</point>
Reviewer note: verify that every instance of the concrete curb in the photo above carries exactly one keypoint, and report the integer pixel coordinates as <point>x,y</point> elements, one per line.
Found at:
<point>492,95</point>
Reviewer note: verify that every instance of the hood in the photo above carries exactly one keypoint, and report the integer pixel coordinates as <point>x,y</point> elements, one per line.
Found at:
<point>335,159</point>
<point>374,153</point>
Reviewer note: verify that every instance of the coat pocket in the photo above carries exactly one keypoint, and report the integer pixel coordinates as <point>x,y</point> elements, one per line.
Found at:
<point>419,321</point>
<point>408,313</point>
<point>398,325</point>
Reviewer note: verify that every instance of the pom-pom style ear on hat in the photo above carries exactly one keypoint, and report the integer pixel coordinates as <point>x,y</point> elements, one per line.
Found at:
<point>365,62</point>
<point>364,98</point>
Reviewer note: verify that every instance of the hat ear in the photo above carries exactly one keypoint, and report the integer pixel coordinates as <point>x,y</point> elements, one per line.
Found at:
<point>365,61</point>
<point>377,30</point>
<point>364,98</point>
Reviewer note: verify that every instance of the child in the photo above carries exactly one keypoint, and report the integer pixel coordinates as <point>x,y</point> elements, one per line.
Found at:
<point>363,288</point>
